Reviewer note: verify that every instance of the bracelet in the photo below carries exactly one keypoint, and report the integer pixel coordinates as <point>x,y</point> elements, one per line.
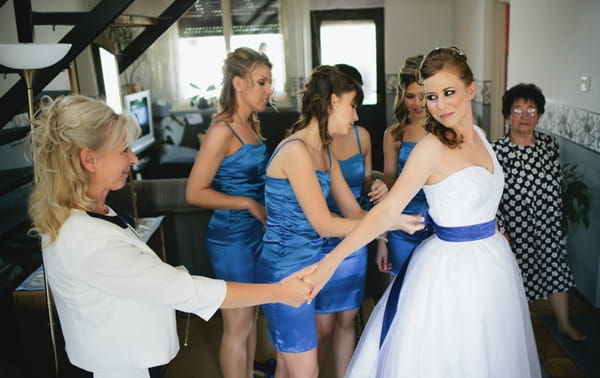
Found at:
<point>382,238</point>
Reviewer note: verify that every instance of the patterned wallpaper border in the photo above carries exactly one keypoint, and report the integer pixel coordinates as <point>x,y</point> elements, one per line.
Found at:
<point>576,125</point>
<point>483,92</point>
<point>391,84</point>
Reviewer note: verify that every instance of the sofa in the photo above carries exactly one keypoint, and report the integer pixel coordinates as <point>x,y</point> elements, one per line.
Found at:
<point>179,136</point>
<point>183,226</point>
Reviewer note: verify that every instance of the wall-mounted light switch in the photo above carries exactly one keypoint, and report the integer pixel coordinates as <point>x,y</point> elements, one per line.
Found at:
<point>584,83</point>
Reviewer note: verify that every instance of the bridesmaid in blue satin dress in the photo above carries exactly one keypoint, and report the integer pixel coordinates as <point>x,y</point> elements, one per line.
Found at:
<point>228,176</point>
<point>301,174</point>
<point>338,302</point>
<point>399,140</point>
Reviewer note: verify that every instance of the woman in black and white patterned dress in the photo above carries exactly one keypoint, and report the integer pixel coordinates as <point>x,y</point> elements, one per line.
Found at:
<point>530,211</point>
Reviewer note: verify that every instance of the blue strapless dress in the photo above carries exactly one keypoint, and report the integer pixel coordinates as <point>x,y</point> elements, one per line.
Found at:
<point>234,237</point>
<point>400,244</point>
<point>290,243</point>
<point>346,288</point>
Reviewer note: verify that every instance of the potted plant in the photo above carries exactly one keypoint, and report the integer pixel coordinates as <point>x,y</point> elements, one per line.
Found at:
<point>575,198</point>
<point>205,98</point>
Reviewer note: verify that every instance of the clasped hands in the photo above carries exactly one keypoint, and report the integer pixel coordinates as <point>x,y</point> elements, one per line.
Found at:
<point>304,285</point>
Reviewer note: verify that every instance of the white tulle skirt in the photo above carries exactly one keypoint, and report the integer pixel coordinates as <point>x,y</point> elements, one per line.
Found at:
<point>461,313</point>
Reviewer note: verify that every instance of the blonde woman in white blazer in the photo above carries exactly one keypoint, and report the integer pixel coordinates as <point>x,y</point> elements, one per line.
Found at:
<point>115,298</point>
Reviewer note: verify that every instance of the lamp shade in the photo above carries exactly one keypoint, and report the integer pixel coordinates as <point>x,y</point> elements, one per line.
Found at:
<point>32,55</point>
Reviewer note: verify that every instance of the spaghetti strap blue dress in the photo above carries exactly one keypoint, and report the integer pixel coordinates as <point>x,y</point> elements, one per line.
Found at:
<point>234,237</point>
<point>400,244</point>
<point>290,243</point>
<point>346,288</point>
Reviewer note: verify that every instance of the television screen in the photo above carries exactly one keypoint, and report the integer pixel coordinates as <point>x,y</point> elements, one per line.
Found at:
<point>140,105</point>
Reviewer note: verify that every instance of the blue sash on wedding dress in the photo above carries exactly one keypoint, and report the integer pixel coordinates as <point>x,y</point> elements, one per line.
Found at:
<point>449,234</point>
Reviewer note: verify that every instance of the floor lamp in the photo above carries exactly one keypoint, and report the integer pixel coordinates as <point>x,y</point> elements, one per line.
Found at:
<point>29,58</point>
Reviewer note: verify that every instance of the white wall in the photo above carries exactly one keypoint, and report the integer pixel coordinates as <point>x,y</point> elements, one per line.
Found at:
<point>469,27</point>
<point>553,43</point>
<point>414,27</point>
<point>480,32</point>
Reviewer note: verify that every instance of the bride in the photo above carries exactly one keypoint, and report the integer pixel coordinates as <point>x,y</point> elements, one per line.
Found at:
<point>459,309</point>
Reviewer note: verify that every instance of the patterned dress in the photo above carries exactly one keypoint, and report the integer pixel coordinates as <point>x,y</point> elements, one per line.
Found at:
<point>531,211</point>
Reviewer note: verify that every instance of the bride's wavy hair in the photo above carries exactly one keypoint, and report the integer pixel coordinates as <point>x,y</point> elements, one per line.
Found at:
<point>437,60</point>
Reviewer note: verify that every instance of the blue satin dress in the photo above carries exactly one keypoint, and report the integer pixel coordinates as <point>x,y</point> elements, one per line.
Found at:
<point>400,244</point>
<point>234,237</point>
<point>346,288</point>
<point>290,244</point>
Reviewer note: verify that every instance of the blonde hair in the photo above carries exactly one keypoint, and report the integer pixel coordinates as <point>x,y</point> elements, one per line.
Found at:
<point>241,62</point>
<point>60,130</point>
<point>409,73</point>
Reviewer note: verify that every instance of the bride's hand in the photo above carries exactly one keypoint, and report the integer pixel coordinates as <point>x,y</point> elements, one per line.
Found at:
<point>409,223</point>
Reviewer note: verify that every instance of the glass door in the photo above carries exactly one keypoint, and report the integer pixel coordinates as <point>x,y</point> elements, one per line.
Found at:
<point>355,37</point>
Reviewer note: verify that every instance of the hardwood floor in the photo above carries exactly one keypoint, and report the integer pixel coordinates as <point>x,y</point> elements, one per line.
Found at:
<point>200,357</point>
<point>554,358</point>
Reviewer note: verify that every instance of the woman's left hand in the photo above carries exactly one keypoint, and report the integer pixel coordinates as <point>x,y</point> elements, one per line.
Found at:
<point>378,191</point>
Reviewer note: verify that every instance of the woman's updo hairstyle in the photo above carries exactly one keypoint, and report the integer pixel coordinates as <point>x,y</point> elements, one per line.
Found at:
<point>409,73</point>
<point>437,60</point>
<point>240,62</point>
<point>324,82</point>
<point>60,130</point>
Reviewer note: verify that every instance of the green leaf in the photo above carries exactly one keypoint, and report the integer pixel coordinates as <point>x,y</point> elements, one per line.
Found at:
<point>575,196</point>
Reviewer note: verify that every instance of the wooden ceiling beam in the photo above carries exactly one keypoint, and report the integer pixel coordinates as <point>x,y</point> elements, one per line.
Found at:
<point>131,20</point>
<point>80,36</point>
<point>73,18</point>
<point>148,36</point>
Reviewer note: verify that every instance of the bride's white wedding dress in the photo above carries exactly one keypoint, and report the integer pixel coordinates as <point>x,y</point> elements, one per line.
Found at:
<point>462,310</point>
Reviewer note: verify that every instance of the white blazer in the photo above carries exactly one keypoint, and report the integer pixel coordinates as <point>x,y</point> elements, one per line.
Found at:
<point>116,299</point>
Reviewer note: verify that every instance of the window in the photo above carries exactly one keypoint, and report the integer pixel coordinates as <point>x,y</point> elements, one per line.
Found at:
<point>338,47</point>
<point>208,27</point>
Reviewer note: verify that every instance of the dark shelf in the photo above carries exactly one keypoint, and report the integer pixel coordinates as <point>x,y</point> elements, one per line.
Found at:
<point>9,135</point>
<point>14,178</point>
<point>14,208</point>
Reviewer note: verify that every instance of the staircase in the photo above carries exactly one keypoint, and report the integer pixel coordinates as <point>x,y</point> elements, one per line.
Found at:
<point>87,26</point>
